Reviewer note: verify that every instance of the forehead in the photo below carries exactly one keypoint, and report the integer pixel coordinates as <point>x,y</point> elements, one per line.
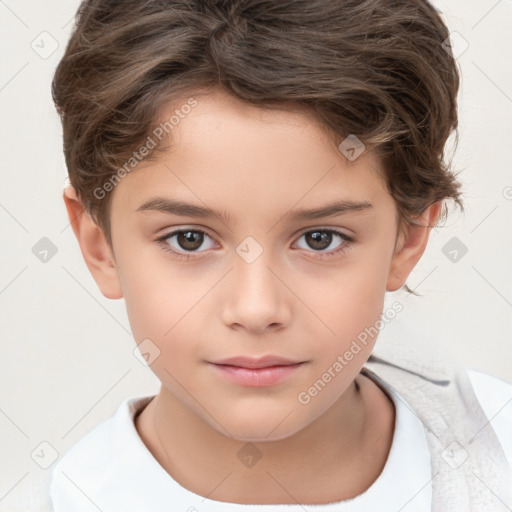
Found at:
<point>218,117</point>
<point>224,149</point>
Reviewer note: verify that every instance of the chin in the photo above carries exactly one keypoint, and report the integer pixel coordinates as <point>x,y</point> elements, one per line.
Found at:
<point>260,428</point>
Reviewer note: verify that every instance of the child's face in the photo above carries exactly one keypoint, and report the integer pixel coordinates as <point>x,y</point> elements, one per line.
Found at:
<point>229,300</point>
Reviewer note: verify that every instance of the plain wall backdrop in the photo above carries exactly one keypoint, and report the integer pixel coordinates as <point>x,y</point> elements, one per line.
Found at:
<point>67,352</point>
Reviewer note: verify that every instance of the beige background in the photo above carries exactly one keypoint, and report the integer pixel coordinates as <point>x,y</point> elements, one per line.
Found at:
<point>67,359</point>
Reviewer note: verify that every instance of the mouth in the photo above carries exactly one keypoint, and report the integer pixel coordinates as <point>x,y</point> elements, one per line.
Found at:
<point>257,372</point>
<point>257,362</point>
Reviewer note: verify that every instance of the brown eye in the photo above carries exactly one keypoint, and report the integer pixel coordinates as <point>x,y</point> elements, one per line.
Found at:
<point>189,240</point>
<point>185,242</point>
<point>321,239</point>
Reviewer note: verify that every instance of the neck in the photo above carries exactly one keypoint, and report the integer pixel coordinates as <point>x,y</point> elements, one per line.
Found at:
<point>340,454</point>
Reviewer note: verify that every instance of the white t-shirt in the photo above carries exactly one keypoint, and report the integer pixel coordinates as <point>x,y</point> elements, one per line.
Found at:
<point>110,469</point>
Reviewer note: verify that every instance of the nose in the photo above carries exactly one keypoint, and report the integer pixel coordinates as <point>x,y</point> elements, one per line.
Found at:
<point>257,300</point>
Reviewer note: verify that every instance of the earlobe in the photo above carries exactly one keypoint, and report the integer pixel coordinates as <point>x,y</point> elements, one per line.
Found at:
<point>410,246</point>
<point>93,245</point>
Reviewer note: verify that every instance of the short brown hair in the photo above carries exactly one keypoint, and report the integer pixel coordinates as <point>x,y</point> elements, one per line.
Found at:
<point>379,69</point>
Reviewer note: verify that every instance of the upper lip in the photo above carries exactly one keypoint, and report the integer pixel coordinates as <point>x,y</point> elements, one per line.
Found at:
<point>260,362</point>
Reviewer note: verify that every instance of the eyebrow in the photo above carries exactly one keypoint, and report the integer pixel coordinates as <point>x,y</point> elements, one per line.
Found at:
<point>184,209</point>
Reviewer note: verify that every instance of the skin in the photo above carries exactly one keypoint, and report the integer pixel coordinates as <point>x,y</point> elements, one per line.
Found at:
<point>257,165</point>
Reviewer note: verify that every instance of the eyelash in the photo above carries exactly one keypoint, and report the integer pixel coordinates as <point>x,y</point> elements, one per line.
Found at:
<point>323,255</point>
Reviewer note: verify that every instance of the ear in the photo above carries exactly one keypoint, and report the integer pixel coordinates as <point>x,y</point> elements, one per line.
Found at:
<point>94,246</point>
<point>410,246</point>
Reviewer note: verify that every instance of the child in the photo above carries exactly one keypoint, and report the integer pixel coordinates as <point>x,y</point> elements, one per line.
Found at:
<point>252,177</point>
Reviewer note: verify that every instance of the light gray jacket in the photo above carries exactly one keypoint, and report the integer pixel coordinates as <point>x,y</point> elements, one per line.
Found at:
<point>469,469</point>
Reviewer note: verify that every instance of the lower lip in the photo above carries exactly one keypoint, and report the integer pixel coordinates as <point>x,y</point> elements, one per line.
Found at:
<point>257,377</point>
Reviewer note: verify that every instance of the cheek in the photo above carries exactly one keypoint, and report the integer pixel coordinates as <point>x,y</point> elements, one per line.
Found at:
<point>165,314</point>
<point>351,297</point>
<point>160,295</point>
<point>348,303</point>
